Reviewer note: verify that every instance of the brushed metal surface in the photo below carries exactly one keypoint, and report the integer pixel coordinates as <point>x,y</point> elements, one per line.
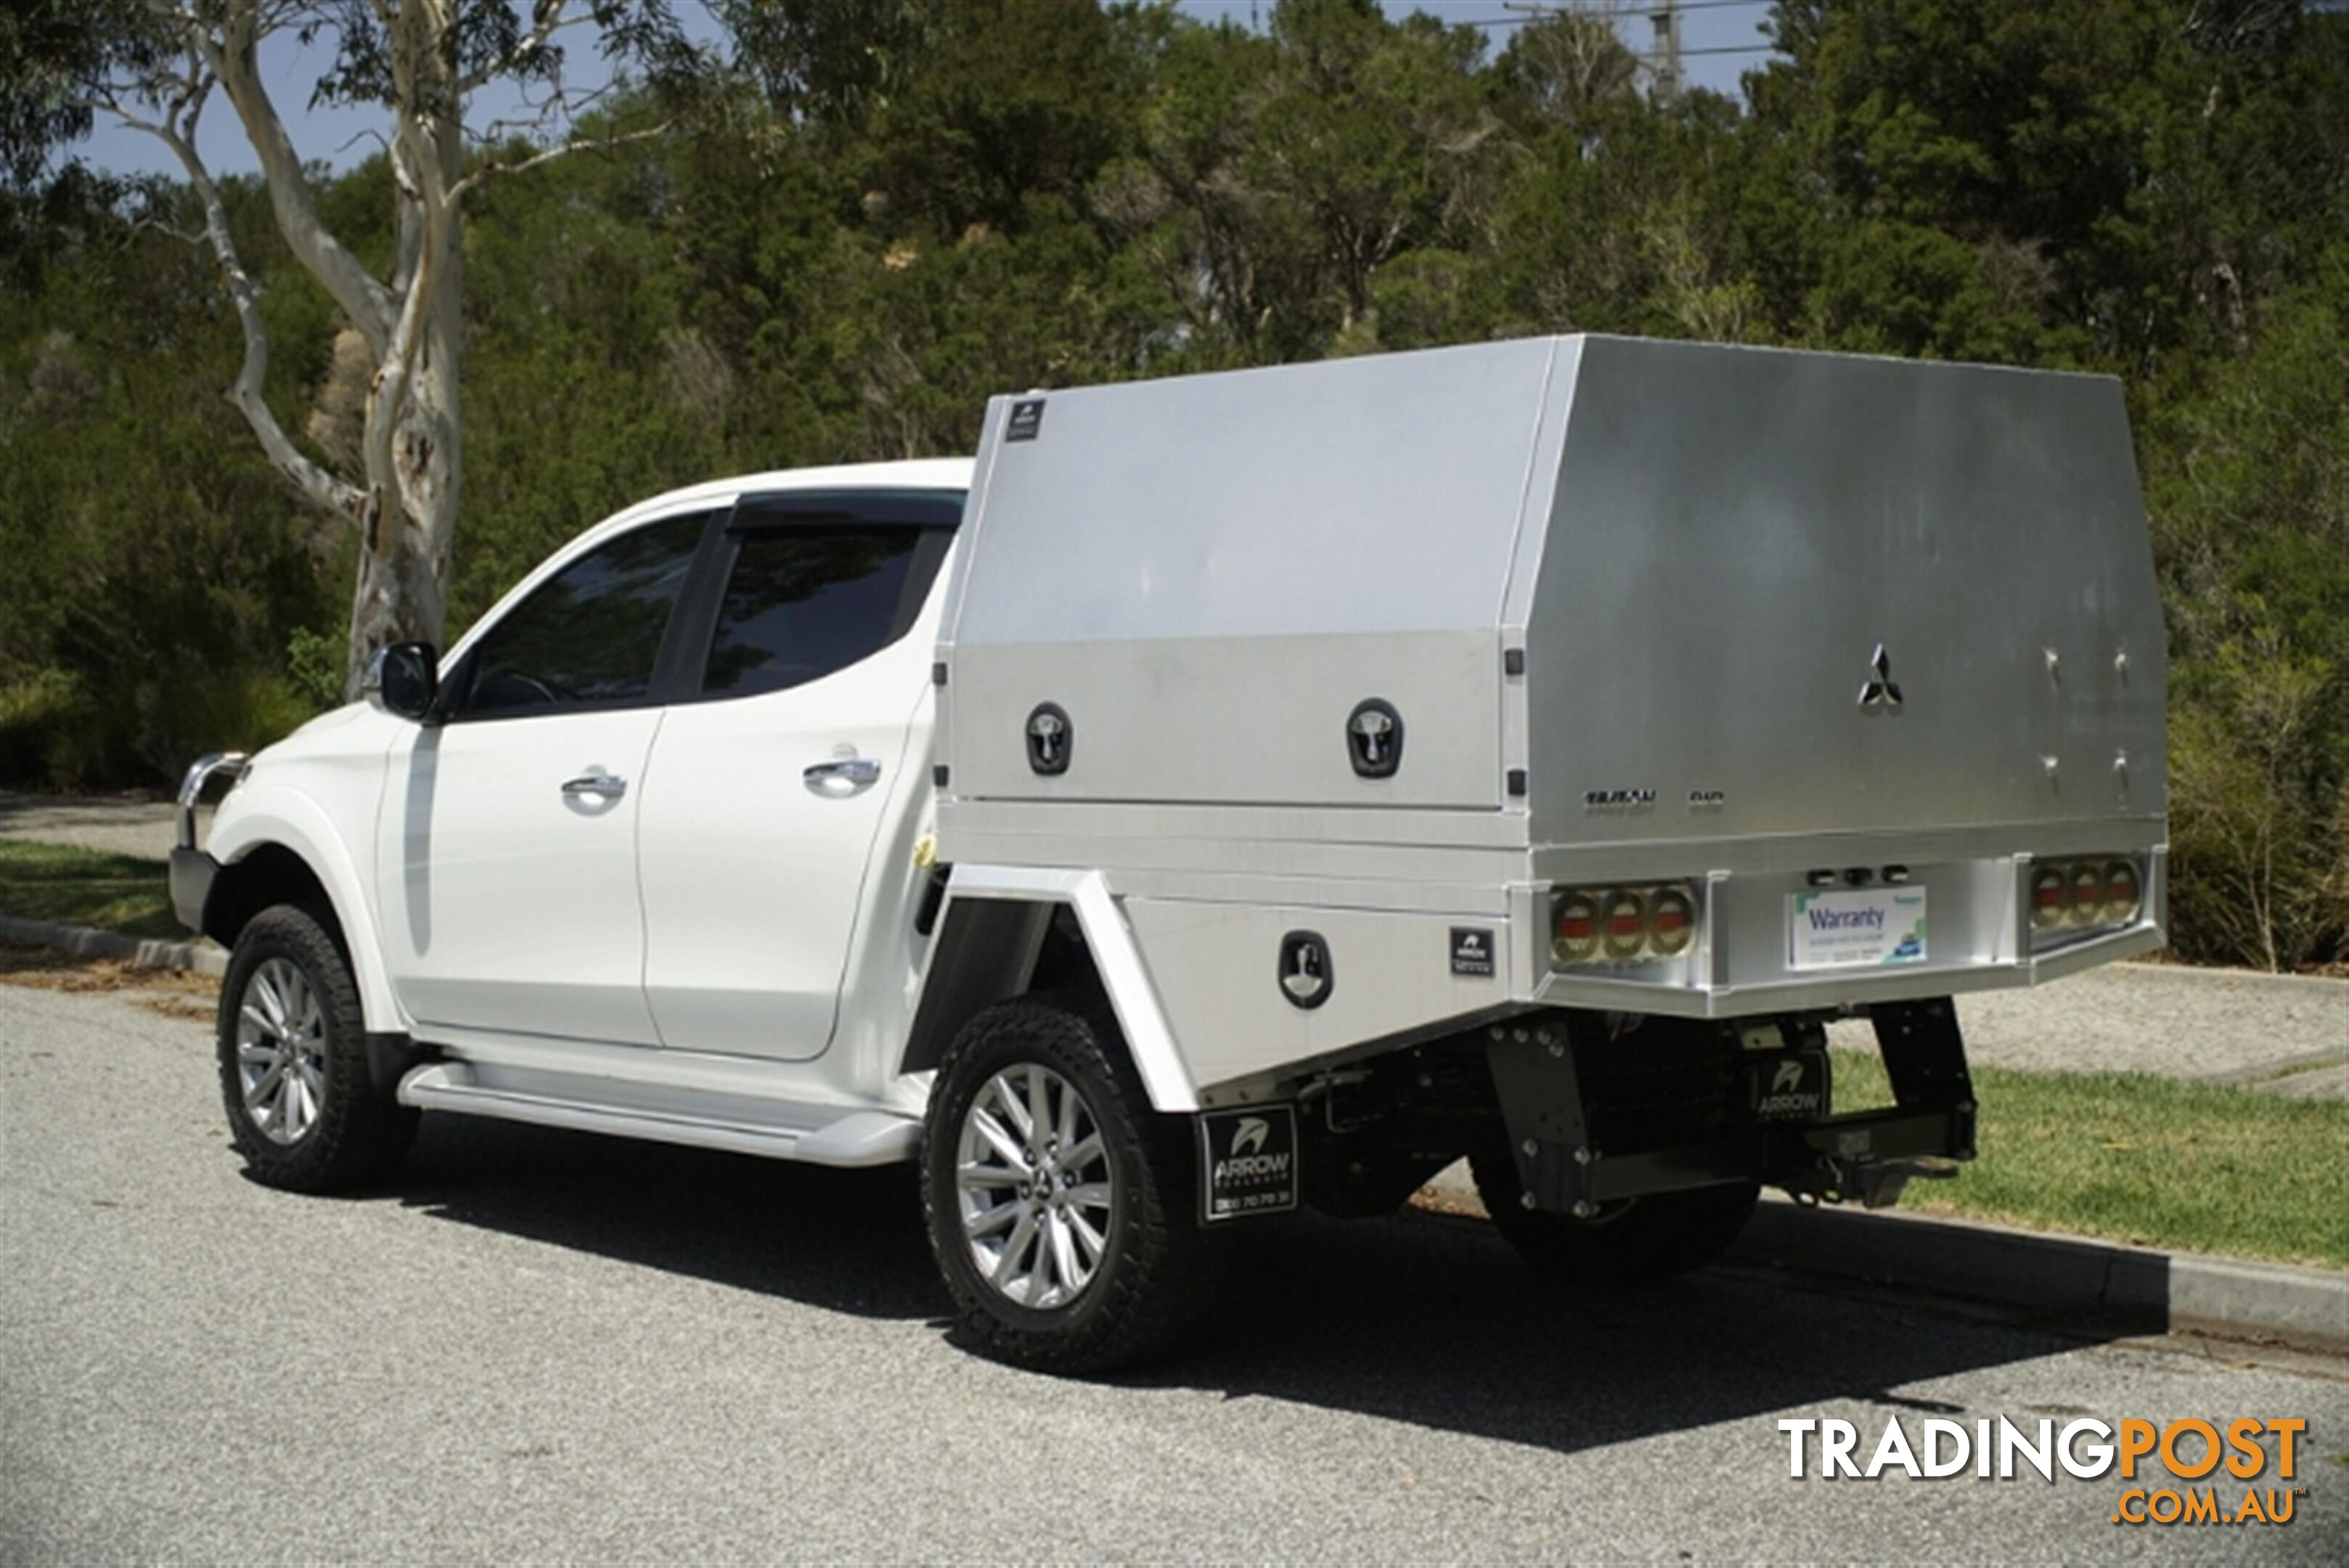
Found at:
<point>1733,534</point>
<point>1709,559</point>
<point>1215,970</point>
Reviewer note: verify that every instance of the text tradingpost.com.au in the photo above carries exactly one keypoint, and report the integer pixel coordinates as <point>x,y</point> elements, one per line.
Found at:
<point>2192,1467</point>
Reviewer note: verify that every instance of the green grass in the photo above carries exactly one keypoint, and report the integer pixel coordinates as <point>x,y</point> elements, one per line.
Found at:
<point>2144,1159</point>
<point>86,888</point>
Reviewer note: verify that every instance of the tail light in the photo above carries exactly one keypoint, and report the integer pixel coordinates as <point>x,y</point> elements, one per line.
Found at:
<point>1622,925</point>
<point>1576,937</point>
<point>1627,925</point>
<point>1671,922</point>
<point>2087,893</point>
<point>2121,893</point>
<point>2048,909</point>
<point>2083,895</point>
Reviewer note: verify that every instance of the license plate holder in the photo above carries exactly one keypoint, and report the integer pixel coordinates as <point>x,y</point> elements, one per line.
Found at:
<point>1846,927</point>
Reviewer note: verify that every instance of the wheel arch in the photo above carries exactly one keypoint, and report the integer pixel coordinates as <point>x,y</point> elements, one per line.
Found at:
<point>279,848</point>
<point>1007,932</point>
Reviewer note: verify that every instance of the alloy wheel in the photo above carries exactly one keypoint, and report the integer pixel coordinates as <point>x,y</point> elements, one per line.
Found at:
<point>1036,1190</point>
<point>281,1051</point>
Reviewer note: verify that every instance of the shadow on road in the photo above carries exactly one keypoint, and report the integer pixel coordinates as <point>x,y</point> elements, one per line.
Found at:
<point>1417,1318</point>
<point>847,1240</point>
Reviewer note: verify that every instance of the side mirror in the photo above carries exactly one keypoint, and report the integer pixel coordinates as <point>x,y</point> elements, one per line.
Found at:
<point>403,677</point>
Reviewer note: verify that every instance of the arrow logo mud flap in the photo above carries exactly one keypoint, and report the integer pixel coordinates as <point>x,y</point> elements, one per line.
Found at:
<point>1248,1162</point>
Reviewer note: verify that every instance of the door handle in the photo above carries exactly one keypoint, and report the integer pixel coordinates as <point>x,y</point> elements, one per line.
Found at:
<point>842,775</point>
<point>611,784</point>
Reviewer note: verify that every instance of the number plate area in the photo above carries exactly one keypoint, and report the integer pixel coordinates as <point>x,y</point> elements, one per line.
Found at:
<point>1247,1161</point>
<point>1863,927</point>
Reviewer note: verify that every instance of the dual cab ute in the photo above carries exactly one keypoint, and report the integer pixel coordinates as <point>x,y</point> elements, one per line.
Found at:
<point>1244,791</point>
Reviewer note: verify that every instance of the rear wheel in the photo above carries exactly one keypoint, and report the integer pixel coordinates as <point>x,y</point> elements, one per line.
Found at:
<point>1634,1240</point>
<point>1061,1208</point>
<point>303,1108</point>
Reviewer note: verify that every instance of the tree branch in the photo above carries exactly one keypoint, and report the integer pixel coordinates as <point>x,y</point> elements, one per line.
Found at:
<point>547,18</point>
<point>232,58</point>
<point>177,132</point>
<point>494,171</point>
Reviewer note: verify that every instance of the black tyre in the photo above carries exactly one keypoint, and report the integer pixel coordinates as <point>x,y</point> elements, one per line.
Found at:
<point>303,1109</point>
<point>1624,1243</point>
<point>1061,1208</point>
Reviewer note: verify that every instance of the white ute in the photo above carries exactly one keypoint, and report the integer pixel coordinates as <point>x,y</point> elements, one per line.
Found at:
<point>1242,790</point>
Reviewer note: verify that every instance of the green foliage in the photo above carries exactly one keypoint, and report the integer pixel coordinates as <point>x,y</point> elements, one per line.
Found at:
<point>74,887</point>
<point>2145,1159</point>
<point>154,565</point>
<point>2248,485</point>
<point>895,210</point>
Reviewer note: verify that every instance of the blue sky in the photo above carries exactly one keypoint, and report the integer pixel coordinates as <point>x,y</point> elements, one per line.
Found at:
<point>341,137</point>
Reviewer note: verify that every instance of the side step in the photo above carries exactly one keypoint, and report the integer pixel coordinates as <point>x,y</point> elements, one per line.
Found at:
<point>854,1139</point>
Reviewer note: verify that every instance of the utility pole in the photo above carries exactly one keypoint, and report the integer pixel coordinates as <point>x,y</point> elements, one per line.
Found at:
<point>1666,57</point>
<point>1663,61</point>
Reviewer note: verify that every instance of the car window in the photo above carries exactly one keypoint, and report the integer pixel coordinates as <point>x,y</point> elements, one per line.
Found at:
<point>805,602</point>
<point>592,634</point>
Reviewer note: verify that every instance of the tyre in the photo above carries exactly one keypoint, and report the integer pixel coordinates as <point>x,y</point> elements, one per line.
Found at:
<point>1626,1242</point>
<point>303,1108</point>
<point>1062,1211</point>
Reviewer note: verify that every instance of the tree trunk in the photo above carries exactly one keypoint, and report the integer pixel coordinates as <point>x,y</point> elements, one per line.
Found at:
<point>412,453</point>
<point>401,594</point>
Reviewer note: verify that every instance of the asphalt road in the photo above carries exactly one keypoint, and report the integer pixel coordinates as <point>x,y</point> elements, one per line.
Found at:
<point>539,1345</point>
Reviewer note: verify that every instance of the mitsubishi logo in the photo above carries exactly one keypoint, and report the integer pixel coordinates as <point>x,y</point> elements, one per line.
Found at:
<point>1882,691</point>
<point>1250,1136</point>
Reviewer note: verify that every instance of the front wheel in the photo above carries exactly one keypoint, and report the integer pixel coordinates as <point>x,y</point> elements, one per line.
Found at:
<point>1061,1208</point>
<point>303,1108</point>
<point>1626,1242</point>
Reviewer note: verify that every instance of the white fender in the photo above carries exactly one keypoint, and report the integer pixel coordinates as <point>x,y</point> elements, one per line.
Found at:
<point>1140,1015</point>
<point>259,814</point>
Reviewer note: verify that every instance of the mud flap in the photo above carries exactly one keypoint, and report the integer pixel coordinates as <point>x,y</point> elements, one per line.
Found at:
<point>1249,1162</point>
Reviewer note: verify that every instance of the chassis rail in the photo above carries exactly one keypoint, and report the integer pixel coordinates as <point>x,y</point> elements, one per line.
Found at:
<point>1868,1156</point>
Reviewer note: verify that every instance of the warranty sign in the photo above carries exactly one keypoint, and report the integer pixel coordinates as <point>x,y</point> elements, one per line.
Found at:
<point>1873,926</point>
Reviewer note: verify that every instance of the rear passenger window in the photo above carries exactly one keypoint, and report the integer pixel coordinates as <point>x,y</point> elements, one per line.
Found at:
<point>805,602</point>
<point>592,633</point>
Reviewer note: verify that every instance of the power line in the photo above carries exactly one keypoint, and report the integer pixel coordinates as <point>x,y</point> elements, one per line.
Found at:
<point>1533,8</point>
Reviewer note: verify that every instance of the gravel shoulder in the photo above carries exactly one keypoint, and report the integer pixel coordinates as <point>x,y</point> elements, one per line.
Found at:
<point>143,827</point>
<point>2234,1026</point>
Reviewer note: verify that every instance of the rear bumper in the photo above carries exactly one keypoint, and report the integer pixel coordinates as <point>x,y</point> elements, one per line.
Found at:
<point>193,872</point>
<point>1738,968</point>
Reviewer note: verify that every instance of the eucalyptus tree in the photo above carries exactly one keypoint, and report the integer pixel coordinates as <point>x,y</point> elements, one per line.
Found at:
<point>159,65</point>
